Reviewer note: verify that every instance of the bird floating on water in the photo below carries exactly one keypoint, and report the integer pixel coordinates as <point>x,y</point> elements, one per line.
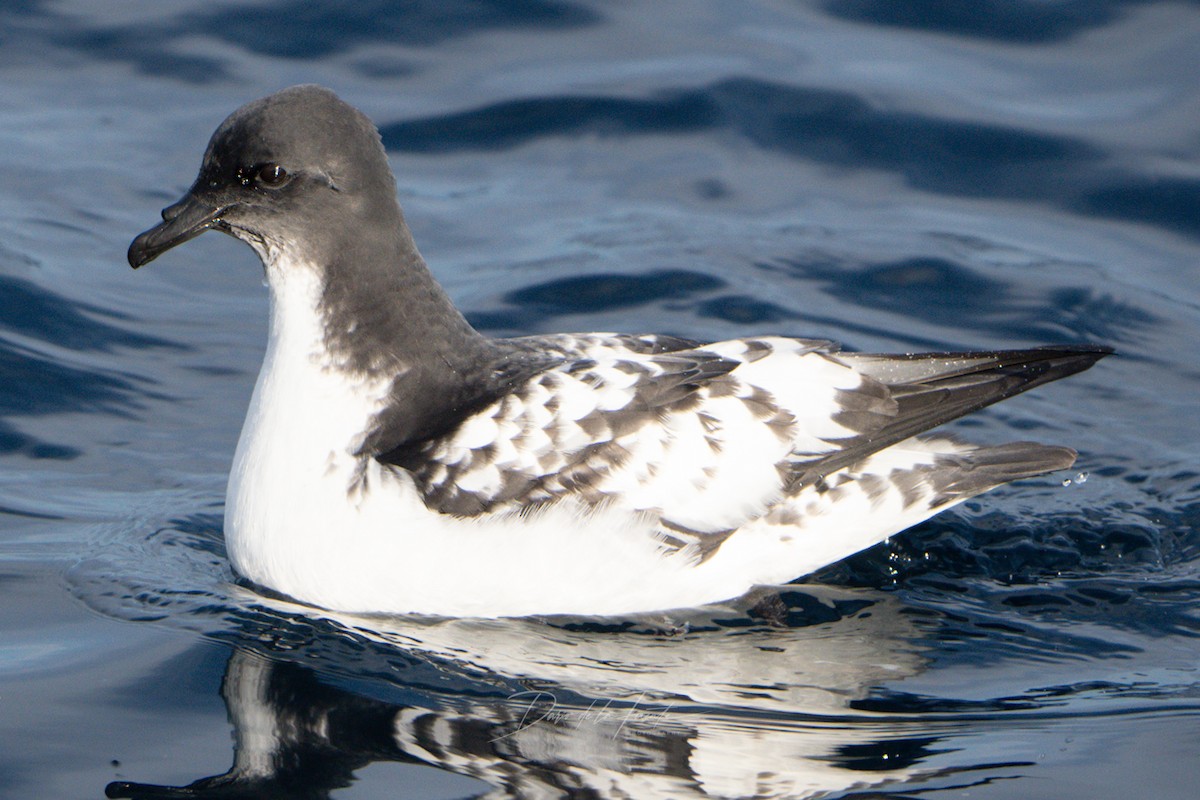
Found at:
<point>395,460</point>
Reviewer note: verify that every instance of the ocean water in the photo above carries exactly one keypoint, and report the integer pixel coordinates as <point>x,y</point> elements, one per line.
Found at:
<point>894,176</point>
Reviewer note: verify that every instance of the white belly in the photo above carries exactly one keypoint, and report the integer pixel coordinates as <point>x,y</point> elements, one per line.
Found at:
<point>302,520</point>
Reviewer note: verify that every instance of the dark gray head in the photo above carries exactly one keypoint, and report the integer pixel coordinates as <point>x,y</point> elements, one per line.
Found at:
<point>294,167</point>
<point>304,179</point>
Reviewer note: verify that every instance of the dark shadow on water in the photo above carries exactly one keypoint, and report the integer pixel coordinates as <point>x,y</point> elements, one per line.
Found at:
<point>31,310</point>
<point>512,123</point>
<point>936,154</point>
<point>531,306</point>
<point>935,290</point>
<point>196,675</point>
<point>1171,203</point>
<point>763,317</point>
<point>301,30</point>
<point>13,442</point>
<point>745,310</point>
<point>1020,21</point>
<point>607,292</point>
<point>25,513</point>
<point>37,385</point>
<point>929,290</point>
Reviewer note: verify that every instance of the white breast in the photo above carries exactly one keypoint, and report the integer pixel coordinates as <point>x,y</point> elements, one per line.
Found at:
<point>291,488</point>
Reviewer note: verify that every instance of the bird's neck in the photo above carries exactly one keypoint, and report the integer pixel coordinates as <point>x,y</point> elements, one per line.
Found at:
<point>371,312</point>
<point>383,310</point>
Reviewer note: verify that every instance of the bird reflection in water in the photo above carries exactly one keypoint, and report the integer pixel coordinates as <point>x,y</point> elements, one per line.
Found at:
<point>750,710</point>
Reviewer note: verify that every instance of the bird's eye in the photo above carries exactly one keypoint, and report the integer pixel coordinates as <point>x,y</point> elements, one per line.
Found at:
<point>271,175</point>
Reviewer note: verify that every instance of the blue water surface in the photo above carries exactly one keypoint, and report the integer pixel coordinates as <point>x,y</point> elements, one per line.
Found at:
<point>894,176</point>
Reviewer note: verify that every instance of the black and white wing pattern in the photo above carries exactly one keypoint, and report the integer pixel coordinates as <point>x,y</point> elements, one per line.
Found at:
<point>709,437</point>
<point>641,419</point>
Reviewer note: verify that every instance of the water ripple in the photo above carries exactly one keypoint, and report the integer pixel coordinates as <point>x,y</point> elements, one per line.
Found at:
<point>1021,21</point>
<point>931,153</point>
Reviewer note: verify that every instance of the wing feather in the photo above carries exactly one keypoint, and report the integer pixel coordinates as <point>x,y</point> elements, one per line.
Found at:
<point>707,437</point>
<point>566,430</point>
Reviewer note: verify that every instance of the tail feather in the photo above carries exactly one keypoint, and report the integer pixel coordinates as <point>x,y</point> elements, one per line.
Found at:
<point>863,503</point>
<point>957,477</point>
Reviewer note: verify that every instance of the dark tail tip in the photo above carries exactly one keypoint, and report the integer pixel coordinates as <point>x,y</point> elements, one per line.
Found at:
<point>1059,361</point>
